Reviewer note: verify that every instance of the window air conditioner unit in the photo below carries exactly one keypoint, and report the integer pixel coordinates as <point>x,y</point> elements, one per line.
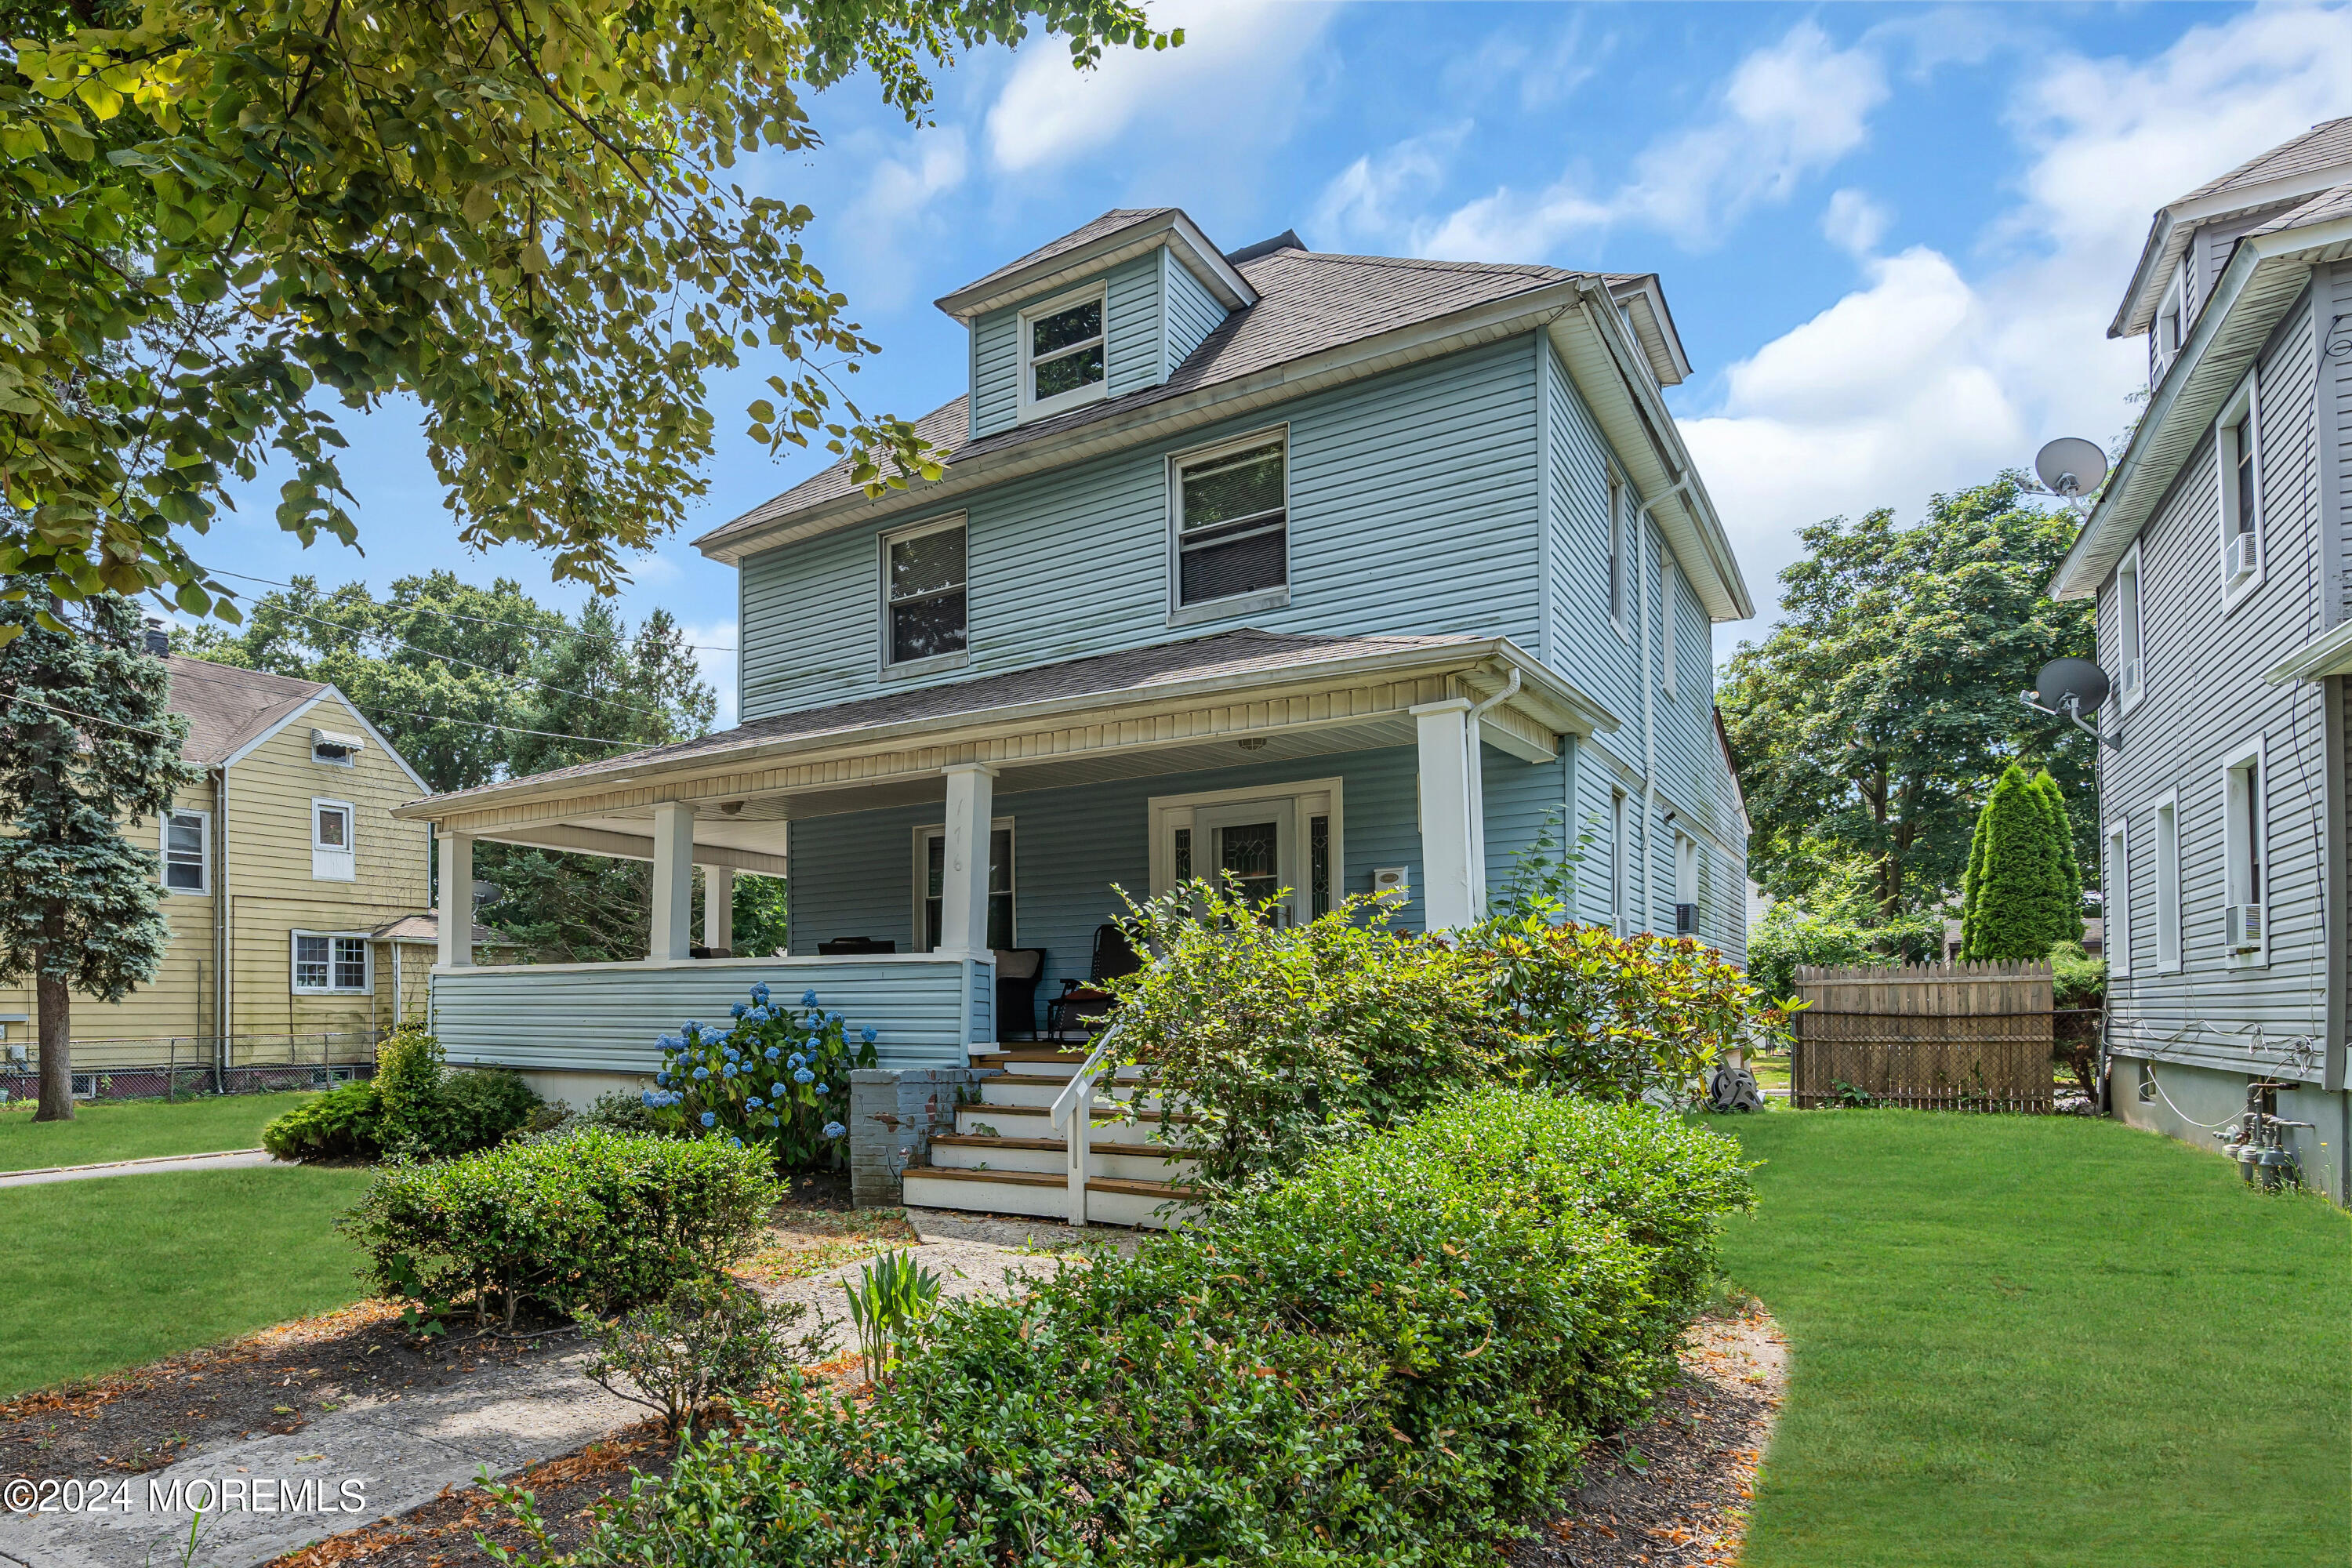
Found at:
<point>2244,556</point>
<point>1685,920</point>
<point>2245,927</point>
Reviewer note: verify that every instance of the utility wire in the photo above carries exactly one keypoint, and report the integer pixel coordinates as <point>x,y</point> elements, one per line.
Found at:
<point>19,696</point>
<point>482,620</point>
<point>420,713</point>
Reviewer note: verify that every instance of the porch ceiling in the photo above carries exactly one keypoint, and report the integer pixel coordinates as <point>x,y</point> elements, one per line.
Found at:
<point>744,795</point>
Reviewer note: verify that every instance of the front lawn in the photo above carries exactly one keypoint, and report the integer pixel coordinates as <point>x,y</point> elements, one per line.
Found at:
<point>108,1273</point>
<point>2041,1340</point>
<point>136,1128</point>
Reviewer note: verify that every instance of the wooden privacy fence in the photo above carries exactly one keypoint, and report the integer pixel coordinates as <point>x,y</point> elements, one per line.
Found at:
<point>1938,1037</point>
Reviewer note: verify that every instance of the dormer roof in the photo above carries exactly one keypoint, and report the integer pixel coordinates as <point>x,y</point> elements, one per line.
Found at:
<point>1111,238</point>
<point>2291,172</point>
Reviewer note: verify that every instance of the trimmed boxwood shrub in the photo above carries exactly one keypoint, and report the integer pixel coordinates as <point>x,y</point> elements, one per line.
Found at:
<point>414,1107</point>
<point>1394,1358</point>
<point>341,1124</point>
<point>600,1220</point>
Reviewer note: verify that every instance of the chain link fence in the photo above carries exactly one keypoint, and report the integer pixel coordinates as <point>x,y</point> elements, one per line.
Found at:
<point>182,1066</point>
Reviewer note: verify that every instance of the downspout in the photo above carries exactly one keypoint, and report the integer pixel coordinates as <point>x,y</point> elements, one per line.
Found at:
<point>221,945</point>
<point>1478,786</point>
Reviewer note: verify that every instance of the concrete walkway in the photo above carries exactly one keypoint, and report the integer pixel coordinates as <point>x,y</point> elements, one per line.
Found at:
<point>380,1456</point>
<point>158,1165</point>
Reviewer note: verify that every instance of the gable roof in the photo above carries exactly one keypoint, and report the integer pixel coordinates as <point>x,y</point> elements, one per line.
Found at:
<point>2288,173</point>
<point>1114,236</point>
<point>228,708</point>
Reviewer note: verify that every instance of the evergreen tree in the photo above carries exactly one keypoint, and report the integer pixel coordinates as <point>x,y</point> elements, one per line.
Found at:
<point>86,747</point>
<point>2066,871</point>
<point>2019,855</point>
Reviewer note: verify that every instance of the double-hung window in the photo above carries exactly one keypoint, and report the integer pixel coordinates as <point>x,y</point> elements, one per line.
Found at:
<point>1063,354</point>
<point>187,851</point>
<point>1229,511</point>
<point>933,844</point>
<point>2130,670</point>
<point>333,856</point>
<point>329,964</point>
<point>2246,857</point>
<point>925,597</point>
<point>2167,336</point>
<point>2237,445</point>
<point>2117,909</point>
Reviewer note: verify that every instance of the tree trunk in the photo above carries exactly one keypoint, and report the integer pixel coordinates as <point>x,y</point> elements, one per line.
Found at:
<point>56,1003</point>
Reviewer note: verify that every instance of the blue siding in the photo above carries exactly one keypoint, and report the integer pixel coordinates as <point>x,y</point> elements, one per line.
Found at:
<point>1518,795</point>
<point>1412,505</point>
<point>995,372</point>
<point>1192,312</point>
<point>1133,326</point>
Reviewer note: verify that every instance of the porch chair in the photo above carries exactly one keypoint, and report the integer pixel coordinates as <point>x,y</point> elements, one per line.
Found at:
<point>1017,970</point>
<point>1077,1003</point>
<point>849,946</point>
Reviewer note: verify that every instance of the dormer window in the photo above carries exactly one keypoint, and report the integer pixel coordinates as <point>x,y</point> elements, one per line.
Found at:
<point>2166,335</point>
<point>1063,354</point>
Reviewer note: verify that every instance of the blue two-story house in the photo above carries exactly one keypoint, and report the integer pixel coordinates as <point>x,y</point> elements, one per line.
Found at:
<point>1335,573</point>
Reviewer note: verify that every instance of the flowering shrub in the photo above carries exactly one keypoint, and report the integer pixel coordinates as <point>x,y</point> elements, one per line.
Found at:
<point>773,1075</point>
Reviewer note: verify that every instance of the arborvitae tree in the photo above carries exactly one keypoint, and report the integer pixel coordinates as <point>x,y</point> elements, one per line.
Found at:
<point>2065,903</point>
<point>2019,855</point>
<point>87,748</point>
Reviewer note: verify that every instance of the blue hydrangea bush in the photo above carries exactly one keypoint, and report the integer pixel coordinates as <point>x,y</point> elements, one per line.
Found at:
<point>773,1075</point>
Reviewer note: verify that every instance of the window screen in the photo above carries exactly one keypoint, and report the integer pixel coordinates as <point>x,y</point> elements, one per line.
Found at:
<point>1230,536</point>
<point>926,594</point>
<point>1066,350</point>
<point>183,852</point>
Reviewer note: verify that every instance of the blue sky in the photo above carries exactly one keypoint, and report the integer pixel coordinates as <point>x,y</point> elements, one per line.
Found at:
<point>1892,237</point>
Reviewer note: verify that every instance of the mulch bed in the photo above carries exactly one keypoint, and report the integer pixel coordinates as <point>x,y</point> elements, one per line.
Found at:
<point>1674,1492</point>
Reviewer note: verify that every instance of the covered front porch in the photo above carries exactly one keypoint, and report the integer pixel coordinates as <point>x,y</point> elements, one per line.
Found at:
<point>936,835</point>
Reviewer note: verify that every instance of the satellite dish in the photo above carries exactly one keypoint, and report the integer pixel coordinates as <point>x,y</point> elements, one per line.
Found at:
<point>2071,467</point>
<point>2079,678</point>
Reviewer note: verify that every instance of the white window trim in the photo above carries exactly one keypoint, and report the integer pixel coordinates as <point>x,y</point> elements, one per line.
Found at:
<point>294,963</point>
<point>2131,633</point>
<point>2114,909</point>
<point>909,670</point>
<point>2164,814</point>
<point>1308,798</point>
<point>1040,408</point>
<point>1618,563</point>
<point>927,831</point>
<point>2245,402</point>
<point>164,849</point>
<point>323,857</point>
<point>2249,754</point>
<point>1253,600</point>
<point>2175,304</point>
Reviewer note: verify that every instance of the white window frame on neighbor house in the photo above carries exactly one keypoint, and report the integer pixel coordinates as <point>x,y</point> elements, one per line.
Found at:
<point>2245,843</point>
<point>329,862</point>
<point>930,664</point>
<point>2166,815</point>
<point>1621,569</point>
<point>924,835</point>
<point>1035,407</point>
<point>2172,313</point>
<point>1248,599</point>
<point>294,940</point>
<point>1669,620</point>
<point>2131,635</point>
<point>1303,799</point>
<point>1619,856</point>
<point>2245,406</point>
<point>204,820</point>
<point>2117,909</point>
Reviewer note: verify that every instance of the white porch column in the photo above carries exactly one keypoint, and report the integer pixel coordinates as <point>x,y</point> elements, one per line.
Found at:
<point>455,912</point>
<point>673,927</point>
<point>964,886</point>
<point>1449,872</point>
<point>719,906</point>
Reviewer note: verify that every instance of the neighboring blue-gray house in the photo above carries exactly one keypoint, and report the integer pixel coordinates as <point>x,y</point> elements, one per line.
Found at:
<point>2218,554</point>
<point>1332,572</point>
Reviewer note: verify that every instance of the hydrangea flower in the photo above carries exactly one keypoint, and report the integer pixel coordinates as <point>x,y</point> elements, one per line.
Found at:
<point>709,1118</point>
<point>834,1130</point>
<point>796,1060</point>
<point>737,1011</point>
<point>735,1143</point>
<point>647,1097</point>
<point>728,1070</point>
<point>701,1073</point>
<point>822,1089</point>
<point>808,998</point>
<point>753,1103</point>
<point>774,1051</point>
<point>835,1017</point>
<point>866,1035</point>
<point>760,992</point>
<point>692,1028</point>
<point>802,1075</point>
<point>777,1088</point>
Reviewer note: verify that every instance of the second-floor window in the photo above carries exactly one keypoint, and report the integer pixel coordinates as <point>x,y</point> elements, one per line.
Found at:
<point>2238,442</point>
<point>1232,520</point>
<point>187,851</point>
<point>333,857</point>
<point>923,589</point>
<point>2129,668</point>
<point>1063,354</point>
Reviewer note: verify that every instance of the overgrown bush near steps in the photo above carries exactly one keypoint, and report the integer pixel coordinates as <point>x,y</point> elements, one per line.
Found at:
<point>1393,1358</point>
<point>596,1220</point>
<point>414,1107</point>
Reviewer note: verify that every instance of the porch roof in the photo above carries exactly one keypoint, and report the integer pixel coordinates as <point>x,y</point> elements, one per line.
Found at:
<point>1164,707</point>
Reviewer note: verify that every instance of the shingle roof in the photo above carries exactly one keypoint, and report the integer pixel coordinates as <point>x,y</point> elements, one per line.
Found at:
<point>427,927</point>
<point>1129,671</point>
<point>2327,143</point>
<point>1307,303</point>
<point>1109,223</point>
<point>2325,207</point>
<point>227,706</point>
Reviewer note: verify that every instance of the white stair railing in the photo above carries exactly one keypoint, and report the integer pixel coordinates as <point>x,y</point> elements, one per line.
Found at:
<point>1073,1117</point>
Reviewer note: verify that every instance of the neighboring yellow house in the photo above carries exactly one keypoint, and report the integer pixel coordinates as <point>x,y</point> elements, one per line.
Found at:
<point>285,872</point>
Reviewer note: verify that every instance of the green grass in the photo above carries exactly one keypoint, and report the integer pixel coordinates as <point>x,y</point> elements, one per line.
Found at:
<point>110,1273</point>
<point>133,1130</point>
<point>2039,1340</point>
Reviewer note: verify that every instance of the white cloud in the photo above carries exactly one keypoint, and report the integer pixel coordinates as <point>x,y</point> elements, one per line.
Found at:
<point>1853,222</point>
<point>1372,199</point>
<point>1238,65</point>
<point>1787,111</point>
<point>1924,379</point>
<point>901,204</point>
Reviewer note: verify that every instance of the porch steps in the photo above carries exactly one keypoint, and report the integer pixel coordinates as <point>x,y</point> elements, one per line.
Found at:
<point>1111,1200</point>
<point>1046,1156</point>
<point>1006,1118</point>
